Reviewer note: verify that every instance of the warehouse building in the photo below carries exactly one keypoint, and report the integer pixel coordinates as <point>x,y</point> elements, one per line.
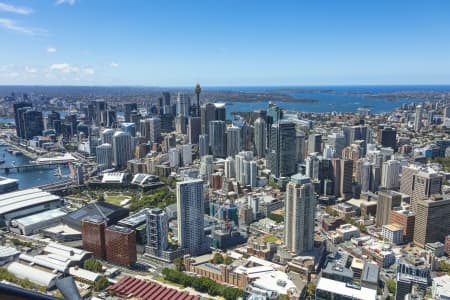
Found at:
<point>36,276</point>
<point>33,224</point>
<point>26,202</point>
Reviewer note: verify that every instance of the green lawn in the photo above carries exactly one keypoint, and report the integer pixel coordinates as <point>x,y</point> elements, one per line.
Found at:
<point>162,280</point>
<point>115,199</point>
<point>271,239</point>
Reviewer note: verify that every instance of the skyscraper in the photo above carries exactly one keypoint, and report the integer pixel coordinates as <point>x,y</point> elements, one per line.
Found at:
<point>300,146</point>
<point>120,245</point>
<point>93,235</point>
<point>337,141</point>
<point>390,178</point>
<point>155,129</point>
<point>217,138</point>
<point>203,145</point>
<point>194,129</point>
<point>386,201</point>
<point>342,170</point>
<point>122,149</point>
<point>183,105</point>
<point>19,109</point>
<point>233,141</point>
<point>314,143</point>
<point>282,149</point>
<point>299,215</point>
<point>418,118</point>
<point>260,137</point>
<point>33,124</point>
<point>432,220</point>
<point>211,112</point>
<point>157,231</point>
<point>388,137</point>
<point>106,136</point>
<point>190,211</point>
<point>104,155</point>
<point>198,90</point>
<point>130,108</point>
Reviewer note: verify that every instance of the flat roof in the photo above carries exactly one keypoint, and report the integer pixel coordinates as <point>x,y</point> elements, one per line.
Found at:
<point>24,198</point>
<point>342,288</point>
<point>40,217</point>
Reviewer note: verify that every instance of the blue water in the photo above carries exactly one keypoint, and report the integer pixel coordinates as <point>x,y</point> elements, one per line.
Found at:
<point>28,178</point>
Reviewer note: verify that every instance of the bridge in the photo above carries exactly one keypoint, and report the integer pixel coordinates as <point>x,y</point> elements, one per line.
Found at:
<point>6,169</point>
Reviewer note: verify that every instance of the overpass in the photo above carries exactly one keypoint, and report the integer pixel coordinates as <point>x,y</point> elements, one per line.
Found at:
<point>6,169</point>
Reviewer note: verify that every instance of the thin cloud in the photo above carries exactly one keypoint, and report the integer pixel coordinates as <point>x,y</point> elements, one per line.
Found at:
<point>88,71</point>
<point>13,26</point>
<point>30,69</point>
<point>70,2</point>
<point>64,68</point>
<point>114,65</point>
<point>5,7</point>
<point>51,50</point>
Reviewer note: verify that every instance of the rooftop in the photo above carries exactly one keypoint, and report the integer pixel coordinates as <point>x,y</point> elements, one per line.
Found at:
<point>24,198</point>
<point>39,217</point>
<point>342,288</point>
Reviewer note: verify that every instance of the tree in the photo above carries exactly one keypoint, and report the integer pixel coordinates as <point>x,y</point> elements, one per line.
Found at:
<point>391,286</point>
<point>101,198</point>
<point>228,260</point>
<point>92,265</point>
<point>275,217</point>
<point>217,259</point>
<point>101,284</point>
<point>178,262</point>
<point>310,289</point>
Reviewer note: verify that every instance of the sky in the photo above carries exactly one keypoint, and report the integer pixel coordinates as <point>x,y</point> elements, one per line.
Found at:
<point>224,42</point>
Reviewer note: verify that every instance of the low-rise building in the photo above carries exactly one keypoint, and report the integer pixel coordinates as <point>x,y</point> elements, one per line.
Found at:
<point>393,233</point>
<point>332,289</point>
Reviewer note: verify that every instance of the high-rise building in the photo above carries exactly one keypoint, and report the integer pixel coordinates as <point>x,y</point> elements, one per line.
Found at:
<point>165,103</point>
<point>129,127</point>
<point>33,124</point>
<point>186,154</point>
<point>337,141</point>
<point>194,129</point>
<point>130,108</point>
<point>342,172</point>
<point>418,118</point>
<point>104,155</point>
<point>426,184</point>
<point>155,129</point>
<point>388,137</point>
<point>180,124</point>
<point>190,215</point>
<point>390,178</point>
<point>203,145</point>
<point>120,245</point>
<point>245,168</point>
<point>198,90</point>
<point>233,141</point>
<point>411,272</point>
<point>260,137</point>
<point>106,136</point>
<point>300,146</point>
<point>405,219</point>
<point>122,149</point>
<point>432,220</point>
<point>19,109</point>
<point>51,118</point>
<point>314,143</point>
<point>364,174</point>
<point>174,157</point>
<point>183,105</point>
<point>157,231</point>
<point>211,112</point>
<point>217,138</point>
<point>229,168</point>
<point>93,236</point>
<point>386,201</point>
<point>299,210</point>
<point>282,149</point>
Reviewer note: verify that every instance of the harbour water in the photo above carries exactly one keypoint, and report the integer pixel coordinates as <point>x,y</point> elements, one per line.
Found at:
<point>32,177</point>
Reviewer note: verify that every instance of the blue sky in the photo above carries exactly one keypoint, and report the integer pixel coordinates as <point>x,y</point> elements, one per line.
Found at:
<point>224,42</point>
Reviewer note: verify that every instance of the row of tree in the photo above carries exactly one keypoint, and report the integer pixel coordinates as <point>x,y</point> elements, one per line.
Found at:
<point>202,284</point>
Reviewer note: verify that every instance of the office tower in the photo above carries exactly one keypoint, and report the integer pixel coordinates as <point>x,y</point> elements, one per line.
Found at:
<point>183,105</point>
<point>245,168</point>
<point>106,136</point>
<point>180,124</point>
<point>198,90</point>
<point>354,133</point>
<point>260,137</point>
<point>217,138</point>
<point>130,108</point>
<point>300,146</point>
<point>426,184</point>
<point>220,112</point>
<point>233,141</point>
<point>190,215</point>
<point>174,157</point>
<point>33,124</point>
<point>203,145</point>
<point>253,174</point>
<point>229,168</point>
<point>282,149</point>
<point>104,155</point>
<point>299,215</point>
<point>432,220</point>
<point>93,236</point>
<point>120,245</point>
<point>407,179</point>
<point>386,201</point>
<point>51,118</point>
<point>166,105</point>
<point>122,149</point>
<point>157,231</point>
<point>337,141</point>
<point>186,154</point>
<point>129,127</point>
<point>99,107</point>
<point>411,272</point>
<point>405,219</point>
<point>342,170</point>
<point>167,121</point>
<point>418,118</point>
<point>208,114</point>
<point>329,152</point>
<point>390,178</point>
<point>314,143</point>
<point>376,178</point>
<point>206,165</point>
<point>194,129</point>
<point>388,138</point>
<point>155,129</point>
<point>19,109</point>
<point>364,174</point>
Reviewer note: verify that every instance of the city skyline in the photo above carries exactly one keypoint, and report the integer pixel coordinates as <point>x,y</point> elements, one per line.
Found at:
<point>223,43</point>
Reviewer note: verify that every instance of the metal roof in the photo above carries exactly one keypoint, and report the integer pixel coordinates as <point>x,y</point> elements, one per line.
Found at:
<point>36,276</point>
<point>40,217</point>
<point>22,199</point>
